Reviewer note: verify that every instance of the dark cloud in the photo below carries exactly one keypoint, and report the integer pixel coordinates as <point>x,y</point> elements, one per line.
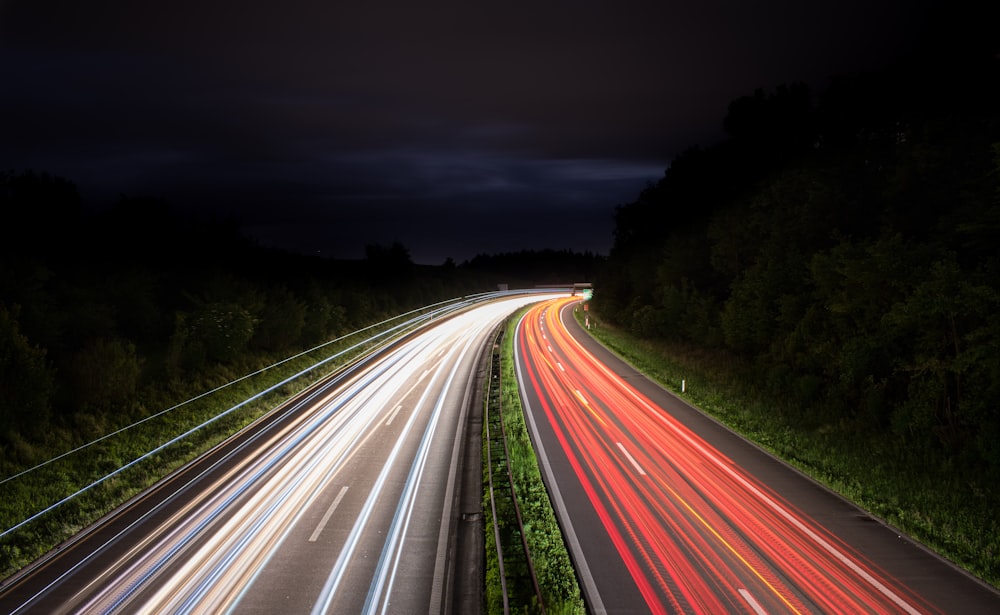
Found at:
<point>455,127</point>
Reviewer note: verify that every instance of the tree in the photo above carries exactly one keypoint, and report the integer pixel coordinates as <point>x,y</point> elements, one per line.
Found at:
<point>950,324</point>
<point>105,376</point>
<point>842,335</point>
<point>28,383</point>
<point>217,332</point>
<point>388,263</point>
<point>320,318</point>
<point>774,126</point>
<point>280,322</point>
<point>755,314</point>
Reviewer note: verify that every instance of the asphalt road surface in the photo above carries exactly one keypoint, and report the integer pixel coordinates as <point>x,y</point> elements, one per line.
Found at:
<point>667,511</point>
<point>348,500</point>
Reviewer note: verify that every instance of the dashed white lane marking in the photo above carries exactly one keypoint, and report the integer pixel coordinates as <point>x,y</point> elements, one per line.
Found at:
<point>329,513</point>
<point>757,608</point>
<point>635,464</point>
<point>393,415</point>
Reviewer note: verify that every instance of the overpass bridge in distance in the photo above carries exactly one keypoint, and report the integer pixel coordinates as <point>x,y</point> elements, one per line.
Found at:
<point>574,288</point>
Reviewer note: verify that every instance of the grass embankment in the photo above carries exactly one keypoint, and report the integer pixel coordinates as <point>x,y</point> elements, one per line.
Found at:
<point>24,493</point>
<point>930,499</point>
<point>553,567</point>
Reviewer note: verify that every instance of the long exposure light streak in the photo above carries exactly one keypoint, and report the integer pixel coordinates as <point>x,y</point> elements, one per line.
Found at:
<point>695,532</point>
<point>349,493</point>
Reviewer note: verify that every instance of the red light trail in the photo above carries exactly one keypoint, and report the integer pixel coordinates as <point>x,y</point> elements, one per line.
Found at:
<point>695,531</point>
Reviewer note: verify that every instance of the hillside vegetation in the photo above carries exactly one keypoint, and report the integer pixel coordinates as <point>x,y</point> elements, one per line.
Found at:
<point>116,318</point>
<point>836,259</point>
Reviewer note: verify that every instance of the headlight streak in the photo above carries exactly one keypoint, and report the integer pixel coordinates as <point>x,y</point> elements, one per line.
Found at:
<point>412,321</point>
<point>337,432</point>
<point>416,321</point>
<point>381,587</point>
<point>223,498</point>
<point>707,535</point>
<point>333,581</point>
<point>208,534</point>
<point>83,561</point>
<point>383,579</point>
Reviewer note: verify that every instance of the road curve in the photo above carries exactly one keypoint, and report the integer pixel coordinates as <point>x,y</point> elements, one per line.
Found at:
<point>667,511</point>
<point>342,502</point>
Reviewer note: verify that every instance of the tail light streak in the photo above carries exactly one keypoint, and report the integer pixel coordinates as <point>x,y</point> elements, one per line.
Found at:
<point>695,532</point>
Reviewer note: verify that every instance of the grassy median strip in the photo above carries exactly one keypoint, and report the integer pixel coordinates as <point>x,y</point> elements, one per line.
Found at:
<point>553,567</point>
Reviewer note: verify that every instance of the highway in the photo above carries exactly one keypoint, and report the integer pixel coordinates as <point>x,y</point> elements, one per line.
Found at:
<point>348,500</point>
<point>665,510</point>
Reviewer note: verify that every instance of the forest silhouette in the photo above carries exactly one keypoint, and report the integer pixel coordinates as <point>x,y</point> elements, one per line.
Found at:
<point>839,255</point>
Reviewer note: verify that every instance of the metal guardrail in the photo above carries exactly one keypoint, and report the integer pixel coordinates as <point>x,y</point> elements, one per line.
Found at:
<point>359,343</point>
<point>494,414</point>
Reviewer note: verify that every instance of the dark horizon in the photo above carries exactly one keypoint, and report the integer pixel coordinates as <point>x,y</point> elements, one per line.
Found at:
<point>458,131</point>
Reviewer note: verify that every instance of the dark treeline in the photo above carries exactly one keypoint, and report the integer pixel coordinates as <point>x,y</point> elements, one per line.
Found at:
<point>538,267</point>
<point>845,248</point>
<point>108,316</point>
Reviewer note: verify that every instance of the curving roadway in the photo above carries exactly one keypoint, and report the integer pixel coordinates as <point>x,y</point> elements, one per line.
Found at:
<point>347,500</point>
<point>666,511</point>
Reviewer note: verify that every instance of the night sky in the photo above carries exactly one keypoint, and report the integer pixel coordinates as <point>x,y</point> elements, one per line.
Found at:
<point>455,128</point>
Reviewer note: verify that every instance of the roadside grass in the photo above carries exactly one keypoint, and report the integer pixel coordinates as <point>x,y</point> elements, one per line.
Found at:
<point>57,478</point>
<point>924,496</point>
